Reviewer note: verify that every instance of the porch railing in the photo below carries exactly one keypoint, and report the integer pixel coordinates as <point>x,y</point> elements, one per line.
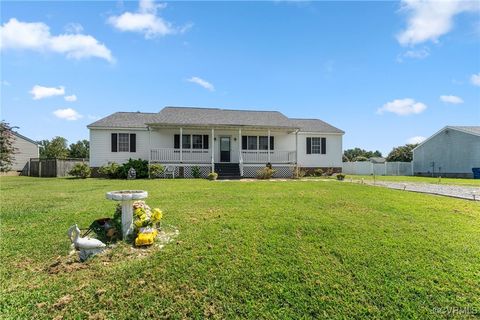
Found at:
<point>173,155</point>
<point>261,156</point>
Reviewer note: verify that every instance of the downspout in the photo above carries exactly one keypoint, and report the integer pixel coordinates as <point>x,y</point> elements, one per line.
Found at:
<point>268,144</point>
<point>149,150</point>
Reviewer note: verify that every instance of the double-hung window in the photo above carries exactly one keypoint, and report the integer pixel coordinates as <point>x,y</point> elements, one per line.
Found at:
<point>257,142</point>
<point>191,141</point>
<point>123,142</point>
<point>316,145</point>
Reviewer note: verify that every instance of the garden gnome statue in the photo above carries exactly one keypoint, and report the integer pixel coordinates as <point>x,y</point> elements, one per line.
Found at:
<point>132,174</point>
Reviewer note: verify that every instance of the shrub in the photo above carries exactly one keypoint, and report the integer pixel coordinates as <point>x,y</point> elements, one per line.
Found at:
<point>156,170</point>
<point>298,173</point>
<point>318,172</point>
<point>266,173</point>
<point>212,176</point>
<point>196,173</point>
<point>140,166</point>
<point>110,170</point>
<point>340,176</point>
<point>80,170</point>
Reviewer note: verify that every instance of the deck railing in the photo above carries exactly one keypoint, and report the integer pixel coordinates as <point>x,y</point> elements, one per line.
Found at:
<point>261,156</point>
<point>173,155</point>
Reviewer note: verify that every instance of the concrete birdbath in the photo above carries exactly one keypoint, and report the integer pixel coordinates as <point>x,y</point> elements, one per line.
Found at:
<point>127,198</point>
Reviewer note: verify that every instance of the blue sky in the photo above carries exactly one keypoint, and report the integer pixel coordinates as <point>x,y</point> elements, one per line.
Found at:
<point>385,72</point>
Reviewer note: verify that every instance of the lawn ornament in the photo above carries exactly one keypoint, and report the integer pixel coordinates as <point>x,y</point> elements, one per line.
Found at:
<point>146,236</point>
<point>126,199</point>
<point>88,247</point>
<point>132,174</point>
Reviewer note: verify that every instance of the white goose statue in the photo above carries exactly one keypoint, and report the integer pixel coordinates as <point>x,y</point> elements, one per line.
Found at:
<point>87,246</point>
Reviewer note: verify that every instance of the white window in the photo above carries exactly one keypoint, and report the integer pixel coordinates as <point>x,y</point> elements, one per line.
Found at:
<point>316,145</point>
<point>123,142</point>
<point>197,141</point>
<point>252,142</point>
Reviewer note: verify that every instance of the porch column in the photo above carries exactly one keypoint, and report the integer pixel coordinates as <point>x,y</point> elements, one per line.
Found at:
<point>181,144</point>
<point>149,150</point>
<point>213,150</point>
<point>268,143</point>
<point>296,147</point>
<point>240,155</point>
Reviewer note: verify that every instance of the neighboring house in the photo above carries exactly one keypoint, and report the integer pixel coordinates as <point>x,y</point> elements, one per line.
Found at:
<point>230,142</point>
<point>25,149</point>
<point>451,152</point>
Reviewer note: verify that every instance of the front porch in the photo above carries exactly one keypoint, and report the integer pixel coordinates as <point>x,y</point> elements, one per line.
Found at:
<point>210,148</point>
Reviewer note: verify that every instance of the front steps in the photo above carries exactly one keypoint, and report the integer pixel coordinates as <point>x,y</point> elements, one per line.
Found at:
<point>227,170</point>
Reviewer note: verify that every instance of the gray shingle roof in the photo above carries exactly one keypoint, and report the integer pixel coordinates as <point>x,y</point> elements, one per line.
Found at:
<point>124,120</point>
<point>211,116</point>
<point>315,125</point>
<point>468,129</point>
<point>214,116</point>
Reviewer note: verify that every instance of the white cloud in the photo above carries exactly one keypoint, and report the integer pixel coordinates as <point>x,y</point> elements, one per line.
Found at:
<point>429,19</point>
<point>416,139</point>
<point>403,107</point>
<point>36,36</point>
<point>67,114</point>
<point>70,98</point>
<point>74,28</point>
<point>451,99</point>
<point>201,82</point>
<point>475,79</point>
<point>40,92</point>
<point>6,83</point>
<point>145,21</point>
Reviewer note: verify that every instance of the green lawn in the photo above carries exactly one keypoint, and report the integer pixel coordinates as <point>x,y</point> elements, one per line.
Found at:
<point>452,181</point>
<point>296,249</point>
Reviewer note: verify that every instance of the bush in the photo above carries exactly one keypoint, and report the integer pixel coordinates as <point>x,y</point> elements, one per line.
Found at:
<point>196,173</point>
<point>140,166</point>
<point>298,173</point>
<point>156,170</point>
<point>110,170</point>
<point>340,176</point>
<point>80,170</point>
<point>266,173</point>
<point>212,176</point>
<point>318,172</point>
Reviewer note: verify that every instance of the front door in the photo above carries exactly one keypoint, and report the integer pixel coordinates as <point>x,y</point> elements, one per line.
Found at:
<point>224,149</point>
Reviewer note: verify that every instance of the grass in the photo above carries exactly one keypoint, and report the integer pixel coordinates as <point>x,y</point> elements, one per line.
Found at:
<point>436,180</point>
<point>296,249</point>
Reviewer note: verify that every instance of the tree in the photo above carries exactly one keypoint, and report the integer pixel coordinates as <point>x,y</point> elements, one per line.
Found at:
<point>79,150</point>
<point>402,153</point>
<point>56,148</point>
<point>358,154</point>
<point>7,149</point>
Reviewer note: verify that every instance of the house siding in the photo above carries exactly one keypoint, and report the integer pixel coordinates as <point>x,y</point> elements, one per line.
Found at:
<point>24,151</point>
<point>331,159</point>
<point>100,146</point>
<point>454,153</point>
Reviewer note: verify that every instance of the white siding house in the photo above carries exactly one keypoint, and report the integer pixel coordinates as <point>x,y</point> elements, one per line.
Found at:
<point>25,149</point>
<point>235,141</point>
<point>451,152</point>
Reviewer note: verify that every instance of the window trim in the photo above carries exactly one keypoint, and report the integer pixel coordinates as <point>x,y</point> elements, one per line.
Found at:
<point>257,138</point>
<point>116,147</point>
<point>320,142</point>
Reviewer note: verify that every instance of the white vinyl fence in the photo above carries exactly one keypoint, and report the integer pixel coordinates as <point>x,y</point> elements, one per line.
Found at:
<point>381,169</point>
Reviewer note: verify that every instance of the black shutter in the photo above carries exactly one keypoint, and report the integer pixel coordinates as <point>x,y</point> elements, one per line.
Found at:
<point>272,144</point>
<point>244,143</point>
<point>176,141</point>
<point>309,145</point>
<point>324,145</point>
<point>205,141</point>
<point>114,142</point>
<point>133,142</point>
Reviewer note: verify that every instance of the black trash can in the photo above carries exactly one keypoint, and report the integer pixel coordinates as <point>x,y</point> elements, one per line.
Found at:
<point>476,173</point>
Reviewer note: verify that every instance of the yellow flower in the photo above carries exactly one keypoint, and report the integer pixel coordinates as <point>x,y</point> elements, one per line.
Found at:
<point>138,223</point>
<point>139,212</point>
<point>157,215</point>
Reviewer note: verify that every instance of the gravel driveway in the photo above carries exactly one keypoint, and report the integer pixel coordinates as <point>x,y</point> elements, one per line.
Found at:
<point>463,192</point>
